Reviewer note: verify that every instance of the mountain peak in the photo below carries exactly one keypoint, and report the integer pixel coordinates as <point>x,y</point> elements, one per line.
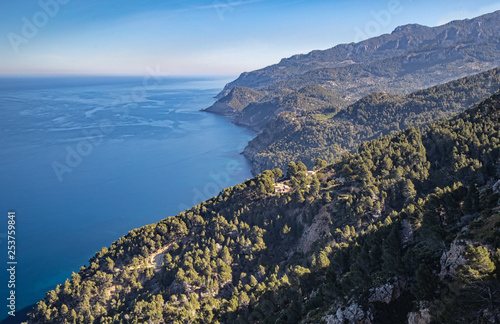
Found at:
<point>410,28</point>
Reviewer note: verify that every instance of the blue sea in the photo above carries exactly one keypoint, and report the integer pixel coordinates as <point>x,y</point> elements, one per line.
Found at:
<point>84,160</point>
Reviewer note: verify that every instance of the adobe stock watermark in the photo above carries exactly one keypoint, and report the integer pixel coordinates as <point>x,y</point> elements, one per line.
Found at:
<point>224,6</point>
<point>221,7</point>
<point>30,27</point>
<point>219,181</point>
<point>381,19</point>
<point>75,154</point>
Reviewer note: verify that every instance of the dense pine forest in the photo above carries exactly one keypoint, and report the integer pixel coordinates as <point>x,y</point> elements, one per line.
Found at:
<point>322,127</point>
<point>404,229</point>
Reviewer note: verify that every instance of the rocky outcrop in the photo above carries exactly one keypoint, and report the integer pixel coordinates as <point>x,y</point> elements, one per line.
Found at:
<point>388,292</point>
<point>422,316</point>
<point>453,258</point>
<point>496,187</point>
<point>407,233</point>
<point>353,313</point>
<point>491,315</point>
<point>315,231</point>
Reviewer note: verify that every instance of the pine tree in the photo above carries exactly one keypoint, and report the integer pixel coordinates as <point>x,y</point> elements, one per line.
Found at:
<point>298,196</point>
<point>479,264</point>
<point>392,254</point>
<point>301,166</point>
<point>426,283</point>
<point>291,170</point>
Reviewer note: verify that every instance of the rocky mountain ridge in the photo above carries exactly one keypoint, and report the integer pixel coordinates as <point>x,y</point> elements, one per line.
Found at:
<point>402,40</point>
<point>413,57</point>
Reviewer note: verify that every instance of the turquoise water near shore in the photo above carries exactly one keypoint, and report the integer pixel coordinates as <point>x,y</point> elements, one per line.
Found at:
<point>85,160</point>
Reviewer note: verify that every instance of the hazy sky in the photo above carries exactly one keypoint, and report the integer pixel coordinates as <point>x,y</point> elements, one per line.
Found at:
<point>215,37</point>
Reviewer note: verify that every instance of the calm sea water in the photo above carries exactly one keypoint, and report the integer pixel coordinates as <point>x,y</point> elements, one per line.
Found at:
<point>85,160</point>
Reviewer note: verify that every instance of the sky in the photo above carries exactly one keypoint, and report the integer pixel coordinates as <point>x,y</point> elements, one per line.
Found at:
<point>214,37</point>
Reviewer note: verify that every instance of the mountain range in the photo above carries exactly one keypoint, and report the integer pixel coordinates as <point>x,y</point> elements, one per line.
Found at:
<point>412,57</point>
<point>382,205</point>
<point>287,101</point>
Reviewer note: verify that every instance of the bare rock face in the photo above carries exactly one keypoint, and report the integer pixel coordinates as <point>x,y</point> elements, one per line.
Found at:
<point>351,314</point>
<point>453,258</point>
<point>490,315</point>
<point>407,233</point>
<point>315,231</point>
<point>422,316</point>
<point>176,287</point>
<point>496,187</point>
<point>388,292</point>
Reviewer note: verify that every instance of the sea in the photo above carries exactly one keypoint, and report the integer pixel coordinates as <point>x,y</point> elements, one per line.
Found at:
<point>84,160</point>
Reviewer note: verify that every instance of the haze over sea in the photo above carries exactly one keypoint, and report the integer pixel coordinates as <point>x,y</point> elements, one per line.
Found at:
<point>84,160</point>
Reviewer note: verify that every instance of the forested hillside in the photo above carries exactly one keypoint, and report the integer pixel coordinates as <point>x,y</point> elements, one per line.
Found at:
<point>406,229</point>
<point>303,101</point>
<point>330,131</point>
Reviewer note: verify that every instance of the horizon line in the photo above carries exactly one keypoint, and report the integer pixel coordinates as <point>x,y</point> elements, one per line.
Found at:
<point>116,75</point>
